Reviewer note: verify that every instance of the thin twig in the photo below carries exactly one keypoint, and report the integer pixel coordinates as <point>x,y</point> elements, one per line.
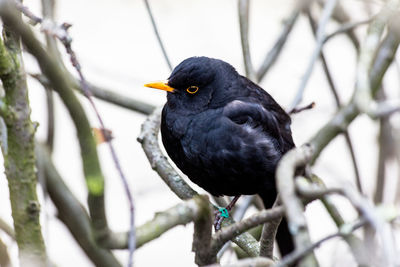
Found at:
<point>61,33</point>
<point>105,94</point>
<point>355,243</point>
<point>363,96</point>
<point>88,94</point>
<point>301,253</point>
<point>243,10</point>
<point>300,109</point>
<point>386,151</point>
<point>260,217</point>
<point>347,27</point>
<point>338,104</point>
<point>347,114</point>
<point>48,65</point>
<point>25,10</point>
<point>48,7</point>
<point>243,206</point>
<point>341,16</point>
<point>155,28</point>
<point>326,14</point>
<point>275,51</point>
<point>365,210</point>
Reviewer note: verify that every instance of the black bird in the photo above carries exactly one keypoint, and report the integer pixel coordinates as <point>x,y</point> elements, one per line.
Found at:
<point>225,132</point>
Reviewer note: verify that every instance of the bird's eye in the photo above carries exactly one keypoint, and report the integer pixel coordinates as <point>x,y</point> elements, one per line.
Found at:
<point>192,89</point>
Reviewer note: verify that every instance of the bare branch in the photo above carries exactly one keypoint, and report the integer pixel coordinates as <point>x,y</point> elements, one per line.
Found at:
<point>61,33</point>
<point>268,234</point>
<point>91,166</point>
<point>243,8</point>
<point>346,27</point>
<point>72,213</point>
<point>300,109</point>
<point>160,42</point>
<point>299,254</point>
<point>363,95</point>
<point>340,15</point>
<point>48,7</point>
<point>338,104</point>
<point>202,235</point>
<point>4,257</point>
<point>285,174</point>
<point>7,229</point>
<point>347,114</point>
<point>105,94</point>
<point>275,51</point>
<point>24,10</point>
<point>260,217</point>
<point>366,211</point>
<point>326,14</point>
<point>18,148</point>
<point>252,262</point>
<point>181,214</point>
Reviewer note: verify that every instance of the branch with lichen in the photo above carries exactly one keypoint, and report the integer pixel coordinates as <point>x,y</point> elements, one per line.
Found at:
<point>61,33</point>
<point>50,68</point>
<point>75,217</point>
<point>18,152</point>
<point>71,212</point>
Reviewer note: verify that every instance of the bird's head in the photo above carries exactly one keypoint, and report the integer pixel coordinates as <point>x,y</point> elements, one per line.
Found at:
<point>197,83</point>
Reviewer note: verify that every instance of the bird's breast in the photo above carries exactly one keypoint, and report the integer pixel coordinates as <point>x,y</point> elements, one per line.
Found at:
<point>217,154</point>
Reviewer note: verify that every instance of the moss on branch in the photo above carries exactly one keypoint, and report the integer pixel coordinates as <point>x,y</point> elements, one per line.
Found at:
<point>19,156</point>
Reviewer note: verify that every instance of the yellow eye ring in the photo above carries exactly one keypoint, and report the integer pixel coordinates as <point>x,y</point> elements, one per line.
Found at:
<point>192,89</point>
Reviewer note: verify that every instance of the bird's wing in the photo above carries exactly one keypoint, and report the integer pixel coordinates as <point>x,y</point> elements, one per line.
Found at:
<point>223,146</point>
<point>253,116</point>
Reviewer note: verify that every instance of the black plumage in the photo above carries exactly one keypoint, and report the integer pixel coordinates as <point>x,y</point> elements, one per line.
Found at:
<point>225,132</point>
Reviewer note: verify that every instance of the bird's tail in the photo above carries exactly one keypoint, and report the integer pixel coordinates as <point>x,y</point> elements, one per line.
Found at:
<point>283,236</point>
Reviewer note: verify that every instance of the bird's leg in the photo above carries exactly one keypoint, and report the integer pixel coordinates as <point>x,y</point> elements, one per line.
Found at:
<point>224,213</point>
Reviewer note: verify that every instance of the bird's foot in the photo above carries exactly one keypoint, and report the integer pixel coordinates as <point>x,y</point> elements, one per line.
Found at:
<point>220,215</point>
<point>223,213</point>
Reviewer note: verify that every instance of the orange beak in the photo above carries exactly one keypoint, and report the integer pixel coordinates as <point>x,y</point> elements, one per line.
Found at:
<point>160,85</point>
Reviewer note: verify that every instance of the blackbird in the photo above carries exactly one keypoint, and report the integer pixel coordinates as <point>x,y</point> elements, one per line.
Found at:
<point>225,132</point>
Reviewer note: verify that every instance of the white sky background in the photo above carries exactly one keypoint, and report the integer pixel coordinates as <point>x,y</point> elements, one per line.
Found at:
<point>117,48</point>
